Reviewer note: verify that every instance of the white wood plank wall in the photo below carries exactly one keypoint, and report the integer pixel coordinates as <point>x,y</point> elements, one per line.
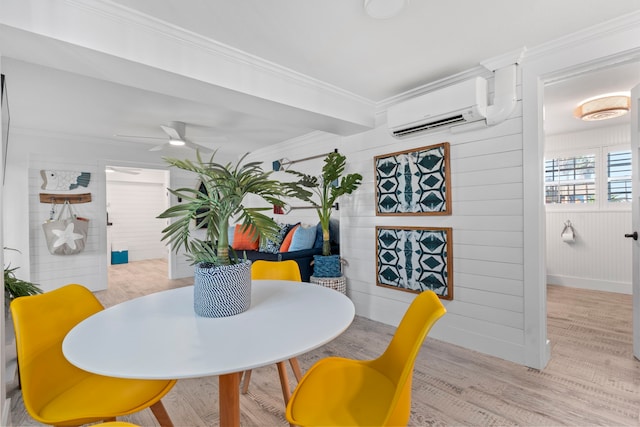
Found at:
<point>133,204</point>
<point>52,271</point>
<point>599,259</point>
<point>486,313</point>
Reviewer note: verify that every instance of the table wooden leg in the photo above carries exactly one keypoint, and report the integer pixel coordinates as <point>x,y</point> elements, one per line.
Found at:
<point>284,382</point>
<point>229,389</point>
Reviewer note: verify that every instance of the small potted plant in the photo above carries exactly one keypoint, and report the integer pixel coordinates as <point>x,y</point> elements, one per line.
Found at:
<point>323,193</point>
<point>218,270</point>
<point>15,287</point>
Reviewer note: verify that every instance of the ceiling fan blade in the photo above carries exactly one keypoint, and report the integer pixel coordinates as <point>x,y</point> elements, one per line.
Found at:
<point>158,147</point>
<point>195,146</point>
<point>139,137</point>
<point>173,133</point>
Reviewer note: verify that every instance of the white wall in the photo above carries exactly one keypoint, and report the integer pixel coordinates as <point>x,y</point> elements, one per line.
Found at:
<point>600,258</point>
<point>52,271</point>
<point>5,404</point>
<point>29,152</point>
<point>133,204</point>
<point>486,313</point>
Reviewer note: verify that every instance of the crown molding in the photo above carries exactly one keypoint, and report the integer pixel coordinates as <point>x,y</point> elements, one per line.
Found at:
<point>131,17</point>
<point>477,71</point>
<point>627,22</point>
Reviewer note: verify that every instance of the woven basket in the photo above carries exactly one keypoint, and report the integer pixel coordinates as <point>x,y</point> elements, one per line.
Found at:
<point>337,283</point>
<point>326,266</point>
<point>222,291</point>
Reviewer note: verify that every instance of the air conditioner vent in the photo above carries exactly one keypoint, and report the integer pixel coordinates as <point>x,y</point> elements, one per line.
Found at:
<point>443,122</point>
<point>460,103</point>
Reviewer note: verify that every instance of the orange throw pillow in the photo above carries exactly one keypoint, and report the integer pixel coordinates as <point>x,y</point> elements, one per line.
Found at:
<point>284,247</point>
<point>244,238</point>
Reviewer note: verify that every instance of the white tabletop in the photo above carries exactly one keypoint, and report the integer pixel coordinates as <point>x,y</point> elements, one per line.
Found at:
<point>159,336</point>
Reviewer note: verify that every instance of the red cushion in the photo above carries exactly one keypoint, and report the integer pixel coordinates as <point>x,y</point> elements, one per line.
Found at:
<point>244,238</point>
<point>286,242</point>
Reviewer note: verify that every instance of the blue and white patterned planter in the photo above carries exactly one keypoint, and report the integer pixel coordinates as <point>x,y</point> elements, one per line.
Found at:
<point>222,291</point>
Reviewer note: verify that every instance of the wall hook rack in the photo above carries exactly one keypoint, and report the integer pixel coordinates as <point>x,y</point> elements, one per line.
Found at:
<point>62,198</point>
<point>284,163</point>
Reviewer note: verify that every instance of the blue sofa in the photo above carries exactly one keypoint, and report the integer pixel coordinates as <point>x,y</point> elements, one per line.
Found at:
<point>304,257</point>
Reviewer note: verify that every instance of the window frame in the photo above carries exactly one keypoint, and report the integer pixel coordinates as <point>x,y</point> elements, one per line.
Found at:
<point>602,202</point>
<point>607,151</point>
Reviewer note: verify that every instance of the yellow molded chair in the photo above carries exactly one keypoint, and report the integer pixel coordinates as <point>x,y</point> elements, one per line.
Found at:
<point>343,392</point>
<point>277,270</point>
<point>55,391</point>
<point>115,424</point>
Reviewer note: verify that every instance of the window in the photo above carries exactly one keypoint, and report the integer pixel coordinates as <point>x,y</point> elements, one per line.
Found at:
<point>570,179</point>
<point>619,176</point>
<point>589,178</point>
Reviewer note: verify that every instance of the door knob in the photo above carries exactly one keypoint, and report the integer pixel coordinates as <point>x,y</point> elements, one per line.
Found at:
<point>634,235</point>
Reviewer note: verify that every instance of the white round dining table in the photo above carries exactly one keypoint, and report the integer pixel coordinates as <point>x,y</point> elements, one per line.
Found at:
<point>159,336</point>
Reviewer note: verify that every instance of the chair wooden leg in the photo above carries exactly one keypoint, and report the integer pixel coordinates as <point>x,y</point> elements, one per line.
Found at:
<point>161,414</point>
<point>284,382</point>
<point>246,378</point>
<point>295,367</point>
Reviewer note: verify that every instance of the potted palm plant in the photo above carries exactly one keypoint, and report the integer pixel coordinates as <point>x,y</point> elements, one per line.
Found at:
<point>222,283</point>
<point>323,192</point>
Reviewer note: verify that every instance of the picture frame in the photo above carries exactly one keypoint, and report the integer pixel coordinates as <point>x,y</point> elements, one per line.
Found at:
<point>415,259</point>
<point>413,182</point>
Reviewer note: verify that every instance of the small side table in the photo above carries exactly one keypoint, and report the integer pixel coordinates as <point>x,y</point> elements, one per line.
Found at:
<point>337,283</point>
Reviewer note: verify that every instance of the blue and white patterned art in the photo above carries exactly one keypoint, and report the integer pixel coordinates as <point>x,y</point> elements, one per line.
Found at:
<point>415,259</point>
<point>61,180</point>
<point>413,182</point>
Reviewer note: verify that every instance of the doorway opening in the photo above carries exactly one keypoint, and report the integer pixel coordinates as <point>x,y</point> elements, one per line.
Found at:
<point>587,173</point>
<point>134,198</point>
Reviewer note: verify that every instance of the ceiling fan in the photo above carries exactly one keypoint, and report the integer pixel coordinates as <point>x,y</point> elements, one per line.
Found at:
<point>130,171</point>
<point>176,135</point>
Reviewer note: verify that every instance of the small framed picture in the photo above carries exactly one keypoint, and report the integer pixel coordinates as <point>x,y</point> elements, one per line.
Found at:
<point>415,259</point>
<point>413,182</point>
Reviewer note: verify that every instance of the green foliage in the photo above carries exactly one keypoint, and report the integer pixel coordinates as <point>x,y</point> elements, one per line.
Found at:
<point>324,191</point>
<point>14,287</point>
<point>226,189</point>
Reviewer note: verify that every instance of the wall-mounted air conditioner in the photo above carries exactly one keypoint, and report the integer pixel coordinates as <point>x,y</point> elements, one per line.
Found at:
<point>457,104</point>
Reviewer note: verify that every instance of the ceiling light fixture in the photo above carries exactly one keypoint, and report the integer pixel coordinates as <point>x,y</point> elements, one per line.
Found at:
<point>384,9</point>
<point>603,107</point>
<point>176,142</point>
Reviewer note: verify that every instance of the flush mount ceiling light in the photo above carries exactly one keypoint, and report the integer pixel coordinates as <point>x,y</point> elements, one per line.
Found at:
<point>603,107</point>
<point>176,141</point>
<point>384,9</point>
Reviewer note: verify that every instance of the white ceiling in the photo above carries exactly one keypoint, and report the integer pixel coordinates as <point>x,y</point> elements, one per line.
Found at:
<point>332,41</point>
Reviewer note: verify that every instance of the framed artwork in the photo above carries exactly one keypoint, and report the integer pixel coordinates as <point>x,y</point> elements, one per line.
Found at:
<point>414,182</point>
<point>415,259</point>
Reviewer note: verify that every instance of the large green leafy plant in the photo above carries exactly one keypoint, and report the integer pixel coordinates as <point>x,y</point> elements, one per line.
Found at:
<point>226,187</point>
<point>324,191</point>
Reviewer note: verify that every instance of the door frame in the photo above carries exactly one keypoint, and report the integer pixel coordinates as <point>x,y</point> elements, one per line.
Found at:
<point>634,128</point>
<point>104,230</point>
<point>606,45</point>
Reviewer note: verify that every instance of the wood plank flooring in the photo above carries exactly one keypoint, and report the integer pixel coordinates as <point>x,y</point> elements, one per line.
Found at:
<point>592,378</point>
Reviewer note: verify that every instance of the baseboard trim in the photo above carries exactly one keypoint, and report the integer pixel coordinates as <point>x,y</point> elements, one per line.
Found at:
<point>591,284</point>
<point>6,412</point>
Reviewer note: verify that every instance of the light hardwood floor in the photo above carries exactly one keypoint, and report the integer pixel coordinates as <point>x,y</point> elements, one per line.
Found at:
<point>592,378</point>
